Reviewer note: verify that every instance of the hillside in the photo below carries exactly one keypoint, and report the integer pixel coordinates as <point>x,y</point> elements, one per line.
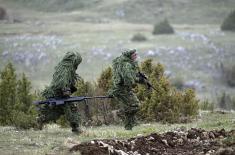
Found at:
<point>136,11</point>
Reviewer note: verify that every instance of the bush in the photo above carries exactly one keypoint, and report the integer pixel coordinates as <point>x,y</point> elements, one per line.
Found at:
<point>229,74</point>
<point>233,103</point>
<point>24,120</point>
<point>206,105</point>
<point>188,104</point>
<point>225,101</point>
<point>138,37</point>
<point>163,27</point>
<point>229,22</point>
<point>16,100</point>
<point>165,104</point>
<point>3,13</point>
<point>62,121</point>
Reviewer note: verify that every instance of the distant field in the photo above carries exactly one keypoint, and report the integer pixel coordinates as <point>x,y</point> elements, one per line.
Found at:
<point>52,138</point>
<point>191,54</point>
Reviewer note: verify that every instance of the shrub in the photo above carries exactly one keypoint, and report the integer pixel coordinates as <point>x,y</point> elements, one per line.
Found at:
<point>225,101</point>
<point>63,122</point>
<point>105,80</point>
<point>163,27</point>
<point>229,74</point>
<point>25,120</point>
<point>8,86</point>
<point>85,89</point>
<point>206,105</point>
<point>3,13</point>
<point>16,100</point>
<point>165,104</point>
<point>233,103</point>
<point>189,104</point>
<point>229,22</point>
<point>138,37</point>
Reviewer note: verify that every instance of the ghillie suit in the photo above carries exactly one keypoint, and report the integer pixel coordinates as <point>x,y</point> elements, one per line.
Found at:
<point>125,72</point>
<point>62,85</point>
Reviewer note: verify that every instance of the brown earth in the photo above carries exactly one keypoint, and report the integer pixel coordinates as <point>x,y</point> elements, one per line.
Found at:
<point>180,142</point>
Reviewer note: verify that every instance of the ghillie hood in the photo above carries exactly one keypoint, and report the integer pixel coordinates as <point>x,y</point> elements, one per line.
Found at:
<point>124,69</point>
<point>125,57</point>
<point>128,53</point>
<point>65,74</point>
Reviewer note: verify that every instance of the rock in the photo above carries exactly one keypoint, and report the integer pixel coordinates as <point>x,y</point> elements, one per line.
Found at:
<point>70,143</point>
<point>164,141</point>
<point>211,135</point>
<point>225,151</point>
<point>191,134</point>
<point>204,135</point>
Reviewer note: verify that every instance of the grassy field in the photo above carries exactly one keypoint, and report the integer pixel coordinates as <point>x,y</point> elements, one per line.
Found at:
<point>52,138</point>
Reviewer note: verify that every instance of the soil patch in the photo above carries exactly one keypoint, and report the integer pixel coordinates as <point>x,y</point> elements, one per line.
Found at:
<point>191,142</point>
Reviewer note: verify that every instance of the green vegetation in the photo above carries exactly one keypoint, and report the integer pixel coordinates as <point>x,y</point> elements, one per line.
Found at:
<point>228,72</point>
<point>207,105</point>
<point>16,100</point>
<point>138,37</point>
<point>163,27</point>
<point>165,104</point>
<point>3,13</point>
<point>229,22</point>
<point>226,101</point>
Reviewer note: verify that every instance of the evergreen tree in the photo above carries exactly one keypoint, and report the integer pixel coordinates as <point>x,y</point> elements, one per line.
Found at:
<point>164,104</point>
<point>24,112</point>
<point>8,85</point>
<point>105,80</point>
<point>163,27</point>
<point>189,106</point>
<point>23,94</point>
<point>146,68</point>
<point>85,89</point>
<point>229,22</point>
<point>105,107</point>
<point>15,100</point>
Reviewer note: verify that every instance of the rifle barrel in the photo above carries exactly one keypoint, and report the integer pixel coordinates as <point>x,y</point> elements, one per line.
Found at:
<point>59,101</point>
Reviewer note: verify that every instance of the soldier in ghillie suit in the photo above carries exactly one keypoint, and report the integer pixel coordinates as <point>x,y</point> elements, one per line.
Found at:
<point>125,76</point>
<point>62,86</point>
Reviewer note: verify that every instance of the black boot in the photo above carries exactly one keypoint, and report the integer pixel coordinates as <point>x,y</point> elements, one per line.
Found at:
<point>75,128</point>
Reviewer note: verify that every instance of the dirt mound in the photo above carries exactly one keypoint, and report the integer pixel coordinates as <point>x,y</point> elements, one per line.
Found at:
<point>191,142</point>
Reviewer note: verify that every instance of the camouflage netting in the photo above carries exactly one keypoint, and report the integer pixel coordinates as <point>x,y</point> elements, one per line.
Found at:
<point>65,75</point>
<point>124,72</point>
